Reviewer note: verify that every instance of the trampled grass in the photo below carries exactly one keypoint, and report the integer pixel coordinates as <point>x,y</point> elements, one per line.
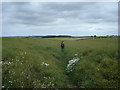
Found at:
<point>22,60</point>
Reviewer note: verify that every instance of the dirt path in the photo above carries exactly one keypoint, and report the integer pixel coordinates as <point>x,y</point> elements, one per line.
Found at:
<point>68,79</point>
<point>69,83</point>
<point>71,86</point>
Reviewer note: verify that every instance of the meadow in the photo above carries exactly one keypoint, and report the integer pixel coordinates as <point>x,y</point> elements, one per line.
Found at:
<point>40,63</point>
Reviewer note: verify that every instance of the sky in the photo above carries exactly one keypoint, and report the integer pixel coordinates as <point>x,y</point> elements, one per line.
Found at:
<point>59,18</point>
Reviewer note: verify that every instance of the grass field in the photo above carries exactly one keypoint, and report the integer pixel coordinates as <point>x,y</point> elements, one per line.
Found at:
<point>40,63</point>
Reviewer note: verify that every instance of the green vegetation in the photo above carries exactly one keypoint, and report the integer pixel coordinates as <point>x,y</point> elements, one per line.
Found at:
<point>40,63</point>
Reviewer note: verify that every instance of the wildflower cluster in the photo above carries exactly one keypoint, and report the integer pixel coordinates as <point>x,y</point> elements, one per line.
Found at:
<point>71,63</point>
<point>47,82</point>
<point>44,64</point>
<point>12,64</point>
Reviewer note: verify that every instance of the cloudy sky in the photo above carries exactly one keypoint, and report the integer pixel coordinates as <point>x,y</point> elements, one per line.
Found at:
<point>59,18</point>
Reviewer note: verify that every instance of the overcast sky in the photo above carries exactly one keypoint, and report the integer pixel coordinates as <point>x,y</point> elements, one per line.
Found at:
<point>70,18</point>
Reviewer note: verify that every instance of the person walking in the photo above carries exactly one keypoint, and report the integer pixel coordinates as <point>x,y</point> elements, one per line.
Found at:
<point>62,45</point>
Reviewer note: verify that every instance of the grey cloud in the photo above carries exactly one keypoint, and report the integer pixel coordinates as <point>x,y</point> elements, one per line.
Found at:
<point>59,14</point>
<point>50,12</point>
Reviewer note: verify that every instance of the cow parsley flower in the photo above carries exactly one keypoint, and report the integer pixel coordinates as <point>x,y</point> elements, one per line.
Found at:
<point>71,63</point>
<point>44,64</point>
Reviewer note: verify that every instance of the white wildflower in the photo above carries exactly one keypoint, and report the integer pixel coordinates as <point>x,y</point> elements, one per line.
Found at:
<point>9,63</point>
<point>10,81</point>
<point>76,54</point>
<point>17,60</point>
<point>45,77</point>
<point>0,62</point>
<point>52,84</point>
<point>42,63</point>
<point>13,72</point>
<point>45,64</point>
<point>71,63</point>
<point>9,72</point>
<point>22,72</point>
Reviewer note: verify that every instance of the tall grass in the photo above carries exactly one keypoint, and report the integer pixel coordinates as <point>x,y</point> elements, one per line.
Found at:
<point>23,57</point>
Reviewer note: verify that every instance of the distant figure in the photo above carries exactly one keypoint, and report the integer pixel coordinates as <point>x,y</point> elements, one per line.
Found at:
<point>62,45</point>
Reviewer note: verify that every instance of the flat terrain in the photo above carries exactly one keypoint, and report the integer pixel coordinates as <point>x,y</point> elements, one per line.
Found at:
<point>40,63</point>
<point>71,38</point>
